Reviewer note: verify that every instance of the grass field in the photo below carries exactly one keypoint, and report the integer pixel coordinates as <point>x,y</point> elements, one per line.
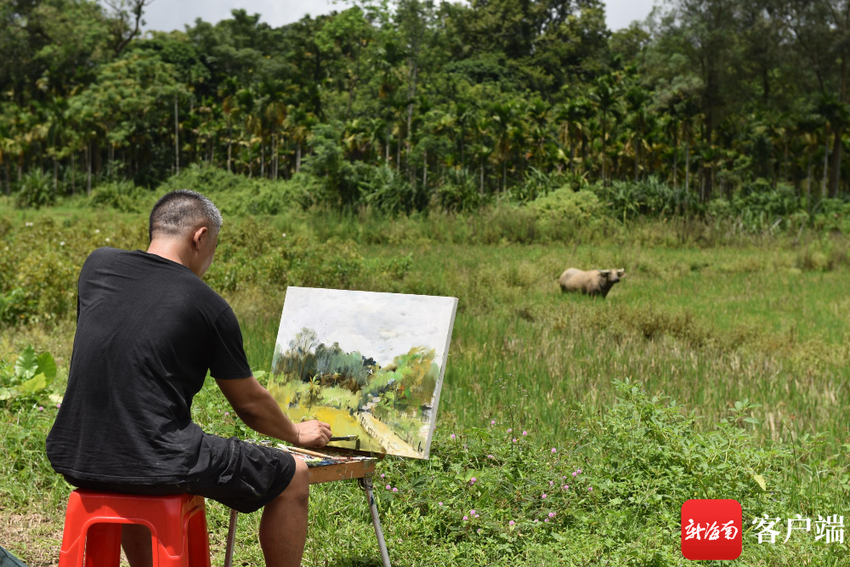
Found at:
<point>764,322</point>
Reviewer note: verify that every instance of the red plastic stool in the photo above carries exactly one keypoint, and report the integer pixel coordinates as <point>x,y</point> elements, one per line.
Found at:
<point>93,521</point>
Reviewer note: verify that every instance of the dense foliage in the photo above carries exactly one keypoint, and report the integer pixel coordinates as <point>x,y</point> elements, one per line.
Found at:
<point>417,104</point>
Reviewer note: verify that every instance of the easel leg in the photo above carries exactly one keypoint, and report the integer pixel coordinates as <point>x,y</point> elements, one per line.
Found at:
<point>231,539</point>
<point>366,484</point>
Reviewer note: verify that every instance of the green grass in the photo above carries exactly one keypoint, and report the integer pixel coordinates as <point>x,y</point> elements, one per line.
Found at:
<point>764,320</point>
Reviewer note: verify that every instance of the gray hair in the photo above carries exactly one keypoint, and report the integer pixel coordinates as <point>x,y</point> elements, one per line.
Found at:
<point>180,211</point>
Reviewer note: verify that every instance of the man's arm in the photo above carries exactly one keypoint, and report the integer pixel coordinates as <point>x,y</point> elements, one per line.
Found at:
<point>258,409</point>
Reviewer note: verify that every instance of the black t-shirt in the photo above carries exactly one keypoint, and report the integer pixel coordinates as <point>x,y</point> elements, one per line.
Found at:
<point>148,329</point>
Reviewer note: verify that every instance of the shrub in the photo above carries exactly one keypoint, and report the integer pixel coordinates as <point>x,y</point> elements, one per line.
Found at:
<point>649,197</point>
<point>565,212</point>
<point>122,196</point>
<point>387,190</point>
<point>238,195</point>
<point>36,190</point>
<point>459,192</point>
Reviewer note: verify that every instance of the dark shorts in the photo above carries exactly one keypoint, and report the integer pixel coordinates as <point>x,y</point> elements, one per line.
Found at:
<point>245,478</point>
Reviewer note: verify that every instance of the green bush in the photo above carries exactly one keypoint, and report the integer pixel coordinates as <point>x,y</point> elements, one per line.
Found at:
<point>459,192</point>
<point>36,190</point>
<point>831,215</point>
<point>122,196</point>
<point>388,191</point>
<point>564,213</point>
<point>238,195</point>
<point>650,197</point>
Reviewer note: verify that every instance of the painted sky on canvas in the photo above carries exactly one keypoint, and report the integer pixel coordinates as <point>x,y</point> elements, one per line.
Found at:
<point>381,326</point>
<point>167,15</point>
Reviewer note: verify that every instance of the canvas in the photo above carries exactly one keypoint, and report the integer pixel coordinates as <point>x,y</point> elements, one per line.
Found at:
<point>369,364</point>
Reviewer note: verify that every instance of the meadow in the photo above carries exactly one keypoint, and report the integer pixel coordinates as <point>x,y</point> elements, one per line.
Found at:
<point>570,430</point>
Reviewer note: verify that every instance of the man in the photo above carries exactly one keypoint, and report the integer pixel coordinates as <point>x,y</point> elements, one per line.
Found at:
<point>148,329</point>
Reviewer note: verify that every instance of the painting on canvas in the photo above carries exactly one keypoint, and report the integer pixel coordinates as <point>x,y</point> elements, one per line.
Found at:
<point>369,364</point>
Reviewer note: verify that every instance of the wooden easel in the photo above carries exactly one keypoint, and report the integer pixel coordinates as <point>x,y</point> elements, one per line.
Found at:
<point>330,465</point>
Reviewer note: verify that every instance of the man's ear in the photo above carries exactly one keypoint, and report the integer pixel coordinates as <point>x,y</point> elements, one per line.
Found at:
<point>199,235</point>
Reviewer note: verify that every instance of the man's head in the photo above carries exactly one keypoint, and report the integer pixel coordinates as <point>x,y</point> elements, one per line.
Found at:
<point>188,222</point>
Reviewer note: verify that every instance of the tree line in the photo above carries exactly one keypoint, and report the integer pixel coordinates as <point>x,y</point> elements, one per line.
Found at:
<point>711,96</point>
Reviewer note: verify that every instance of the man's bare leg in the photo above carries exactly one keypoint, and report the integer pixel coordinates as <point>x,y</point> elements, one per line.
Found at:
<point>136,541</point>
<point>283,529</point>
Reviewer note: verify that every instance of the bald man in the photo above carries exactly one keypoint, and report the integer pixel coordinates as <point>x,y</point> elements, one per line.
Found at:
<point>148,330</point>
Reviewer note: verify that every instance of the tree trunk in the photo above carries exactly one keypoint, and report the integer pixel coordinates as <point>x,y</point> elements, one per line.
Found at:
<point>176,137</point>
<point>504,175</point>
<point>687,163</point>
<point>825,162</point>
<point>637,158</point>
<point>229,144</point>
<point>482,177</point>
<point>298,157</point>
<point>73,173</point>
<point>809,180</point>
<point>604,133</point>
<point>55,175</point>
<point>425,174</point>
<point>675,161</point>
<point>8,180</point>
<point>836,164</point>
<point>88,166</point>
<point>411,92</point>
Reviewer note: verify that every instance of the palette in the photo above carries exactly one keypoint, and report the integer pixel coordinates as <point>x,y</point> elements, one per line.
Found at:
<point>332,464</point>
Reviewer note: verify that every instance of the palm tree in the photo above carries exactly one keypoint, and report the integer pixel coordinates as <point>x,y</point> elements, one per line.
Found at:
<point>228,89</point>
<point>605,98</point>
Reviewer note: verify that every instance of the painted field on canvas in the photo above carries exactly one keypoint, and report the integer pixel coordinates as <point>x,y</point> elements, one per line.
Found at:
<point>369,364</point>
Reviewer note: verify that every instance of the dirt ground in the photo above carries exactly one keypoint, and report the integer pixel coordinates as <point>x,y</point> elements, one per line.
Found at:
<point>33,538</point>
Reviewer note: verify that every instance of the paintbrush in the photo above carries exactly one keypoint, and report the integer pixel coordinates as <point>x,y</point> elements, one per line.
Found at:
<point>306,452</point>
<point>344,438</point>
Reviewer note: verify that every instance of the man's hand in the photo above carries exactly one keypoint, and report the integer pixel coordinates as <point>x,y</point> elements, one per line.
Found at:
<point>315,434</point>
